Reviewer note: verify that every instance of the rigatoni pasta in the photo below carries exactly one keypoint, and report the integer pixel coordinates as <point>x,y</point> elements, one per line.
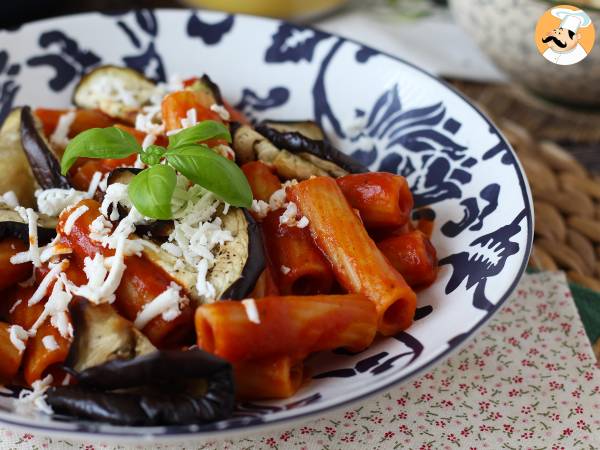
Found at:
<point>358,264</point>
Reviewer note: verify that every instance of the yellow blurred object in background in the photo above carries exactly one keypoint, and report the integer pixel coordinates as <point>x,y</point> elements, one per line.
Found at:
<point>285,9</point>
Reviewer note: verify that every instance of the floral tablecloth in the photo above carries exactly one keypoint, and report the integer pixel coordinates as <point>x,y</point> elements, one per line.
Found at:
<point>528,381</point>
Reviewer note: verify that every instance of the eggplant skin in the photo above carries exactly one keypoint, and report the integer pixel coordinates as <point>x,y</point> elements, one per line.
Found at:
<point>12,225</point>
<point>255,264</point>
<point>150,404</point>
<point>43,162</point>
<point>298,143</point>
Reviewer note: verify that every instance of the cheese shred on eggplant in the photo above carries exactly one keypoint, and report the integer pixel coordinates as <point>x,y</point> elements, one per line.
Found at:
<point>33,400</point>
<point>33,254</point>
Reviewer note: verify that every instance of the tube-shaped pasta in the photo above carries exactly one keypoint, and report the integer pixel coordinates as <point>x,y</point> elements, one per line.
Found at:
<point>83,170</point>
<point>357,263</point>
<point>262,180</point>
<point>18,311</point>
<point>265,285</point>
<point>383,199</point>
<point>11,274</point>
<point>413,255</point>
<point>39,359</point>
<point>291,326</point>
<point>140,135</point>
<point>175,106</point>
<point>10,356</point>
<point>141,283</point>
<point>267,379</point>
<point>298,265</point>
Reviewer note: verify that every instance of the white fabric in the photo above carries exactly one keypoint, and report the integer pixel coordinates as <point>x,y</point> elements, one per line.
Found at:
<point>566,58</point>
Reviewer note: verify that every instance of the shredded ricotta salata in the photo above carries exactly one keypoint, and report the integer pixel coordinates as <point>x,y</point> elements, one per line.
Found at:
<point>33,254</point>
<point>60,136</point>
<point>33,400</point>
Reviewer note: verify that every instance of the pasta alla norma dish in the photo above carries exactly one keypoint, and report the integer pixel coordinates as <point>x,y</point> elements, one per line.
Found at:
<point>162,257</point>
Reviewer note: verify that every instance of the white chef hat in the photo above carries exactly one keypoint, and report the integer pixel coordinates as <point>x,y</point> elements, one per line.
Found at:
<point>571,19</point>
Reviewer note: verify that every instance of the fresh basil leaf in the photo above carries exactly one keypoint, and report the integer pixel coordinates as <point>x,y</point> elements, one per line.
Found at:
<point>152,155</point>
<point>151,190</point>
<point>203,131</point>
<point>213,172</point>
<point>111,142</point>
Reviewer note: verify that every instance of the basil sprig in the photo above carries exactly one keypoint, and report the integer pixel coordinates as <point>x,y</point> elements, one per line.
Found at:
<point>151,190</point>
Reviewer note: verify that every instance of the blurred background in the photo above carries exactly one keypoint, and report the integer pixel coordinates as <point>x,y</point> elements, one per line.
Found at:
<point>486,49</point>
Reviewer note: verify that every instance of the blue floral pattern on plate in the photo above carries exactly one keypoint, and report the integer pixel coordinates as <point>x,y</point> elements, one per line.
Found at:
<point>383,111</point>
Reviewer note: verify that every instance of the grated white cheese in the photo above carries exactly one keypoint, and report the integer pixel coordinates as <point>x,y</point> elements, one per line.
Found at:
<point>33,400</point>
<point>303,222</point>
<point>260,208</point>
<point>148,120</point>
<point>96,179</point>
<point>276,201</point>
<point>33,254</point>
<point>53,249</point>
<point>251,310</point>
<point>190,119</point>
<point>18,337</point>
<point>73,217</point>
<point>56,308</point>
<point>167,305</point>
<point>14,306</point>
<point>102,284</point>
<point>221,111</point>
<point>100,228</point>
<point>197,236</point>
<point>285,270</point>
<point>288,217</point>
<point>53,201</point>
<point>103,184</point>
<point>10,198</point>
<point>115,193</point>
<point>50,343</point>
<point>171,248</point>
<point>60,137</point>
<point>149,140</point>
<point>40,292</point>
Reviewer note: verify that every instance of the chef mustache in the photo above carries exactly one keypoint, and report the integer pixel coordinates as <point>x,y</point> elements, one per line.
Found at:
<point>556,41</point>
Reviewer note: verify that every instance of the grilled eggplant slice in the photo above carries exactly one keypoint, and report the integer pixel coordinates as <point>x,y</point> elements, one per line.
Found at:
<point>209,88</point>
<point>299,144</point>
<point>238,263</point>
<point>102,335</point>
<point>14,166</point>
<point>250,145</point>
<point>160,388</point>
<point>307,128</point>
<point>42,159</point>
<point>117,91</point>
<point>13,225</point>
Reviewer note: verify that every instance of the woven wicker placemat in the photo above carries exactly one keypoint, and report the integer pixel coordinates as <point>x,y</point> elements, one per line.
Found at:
<point>578,130</point>
<point>566,194</point>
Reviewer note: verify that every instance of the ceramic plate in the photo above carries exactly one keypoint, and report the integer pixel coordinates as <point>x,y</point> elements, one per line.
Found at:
<point>383,111</point>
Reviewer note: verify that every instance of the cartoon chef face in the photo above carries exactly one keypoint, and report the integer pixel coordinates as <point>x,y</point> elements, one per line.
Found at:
<point>561,39</point>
